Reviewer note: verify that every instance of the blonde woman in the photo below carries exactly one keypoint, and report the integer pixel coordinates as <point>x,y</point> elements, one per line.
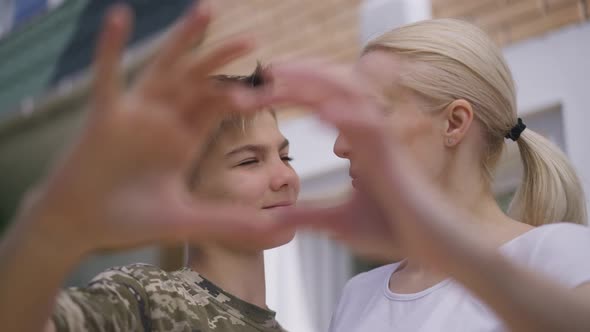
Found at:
<point>423,120</point>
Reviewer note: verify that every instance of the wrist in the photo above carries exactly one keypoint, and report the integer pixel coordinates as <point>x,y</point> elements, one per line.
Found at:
<point>41,239</point>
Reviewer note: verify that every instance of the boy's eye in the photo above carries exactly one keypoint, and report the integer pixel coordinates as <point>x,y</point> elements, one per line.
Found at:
<point>248,162</point>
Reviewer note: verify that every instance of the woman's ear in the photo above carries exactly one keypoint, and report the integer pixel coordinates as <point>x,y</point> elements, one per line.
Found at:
<point>458,117</point>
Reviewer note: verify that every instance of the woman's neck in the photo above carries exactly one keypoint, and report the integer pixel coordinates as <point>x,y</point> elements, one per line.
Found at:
<point>476,198</point>
<point>466,189</point>
<point>464,183</point>
<point>240,274</point>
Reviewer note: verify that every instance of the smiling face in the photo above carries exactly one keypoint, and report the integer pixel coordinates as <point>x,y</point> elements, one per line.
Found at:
<point>249,165</point>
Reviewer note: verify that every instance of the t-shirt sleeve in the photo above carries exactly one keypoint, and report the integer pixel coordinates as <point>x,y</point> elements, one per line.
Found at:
<point>113,301</point>
<point>563,253</point>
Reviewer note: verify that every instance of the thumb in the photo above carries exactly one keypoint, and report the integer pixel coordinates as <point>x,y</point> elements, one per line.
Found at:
<point>209,221</point>
<point>309,215</point>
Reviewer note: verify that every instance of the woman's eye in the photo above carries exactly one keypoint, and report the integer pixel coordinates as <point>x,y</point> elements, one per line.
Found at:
<point>287,159</point>
<point>248,162</point>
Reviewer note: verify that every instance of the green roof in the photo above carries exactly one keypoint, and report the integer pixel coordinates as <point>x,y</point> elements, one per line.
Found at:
<point>28,55</point>
<point>43,75</point>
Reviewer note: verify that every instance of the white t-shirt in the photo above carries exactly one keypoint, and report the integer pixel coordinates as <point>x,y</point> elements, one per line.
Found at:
<point>559,251</point>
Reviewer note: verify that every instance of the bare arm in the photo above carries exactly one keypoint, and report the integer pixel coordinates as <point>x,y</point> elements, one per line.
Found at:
<point>525,300</point>
<point>32,270</point>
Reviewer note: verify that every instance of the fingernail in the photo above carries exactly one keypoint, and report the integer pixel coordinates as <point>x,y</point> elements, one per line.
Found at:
<point>201,10</point>
<point>118,14</point>
<point>241,99</point>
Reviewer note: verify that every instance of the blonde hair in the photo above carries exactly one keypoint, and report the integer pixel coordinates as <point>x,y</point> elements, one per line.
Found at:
<point>452,59</point>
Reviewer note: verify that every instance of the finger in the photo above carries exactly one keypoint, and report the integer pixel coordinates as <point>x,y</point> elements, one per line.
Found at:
<point>313,81</point>
<point>199,92</point>
<point>188,31</point>
<point>318,218</point>
<point>247,100</point>
<point>332,92</point>
<point>198,89</point>
<point>317,86</point>
<point>203,108</point>
<point>206,221</point>
<point>109,51</point>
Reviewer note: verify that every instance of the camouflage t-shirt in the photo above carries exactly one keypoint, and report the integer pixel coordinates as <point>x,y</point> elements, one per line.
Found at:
<point>142,297</point>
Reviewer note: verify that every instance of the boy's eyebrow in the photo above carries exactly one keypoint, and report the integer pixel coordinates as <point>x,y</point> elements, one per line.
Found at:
<point>255,148</point>
<point>246,148</point>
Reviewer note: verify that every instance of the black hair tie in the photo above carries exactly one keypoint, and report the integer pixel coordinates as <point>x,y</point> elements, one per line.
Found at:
<point>515,132</point>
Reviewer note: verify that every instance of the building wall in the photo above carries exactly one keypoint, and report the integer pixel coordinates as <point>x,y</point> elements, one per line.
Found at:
<point>546,45</point>
<point>511,21</point>
<point>554,69</point>
<point>290,28</point>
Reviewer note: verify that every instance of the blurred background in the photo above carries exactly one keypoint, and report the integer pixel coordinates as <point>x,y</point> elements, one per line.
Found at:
<point>46,47</point>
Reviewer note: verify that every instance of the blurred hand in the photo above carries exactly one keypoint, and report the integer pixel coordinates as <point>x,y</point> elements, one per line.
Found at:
<point>358,223</point>
<point>122,183</point>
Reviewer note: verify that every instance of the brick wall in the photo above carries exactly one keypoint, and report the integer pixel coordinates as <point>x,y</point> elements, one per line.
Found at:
<point>290,28</point>
<point>510,21</point>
